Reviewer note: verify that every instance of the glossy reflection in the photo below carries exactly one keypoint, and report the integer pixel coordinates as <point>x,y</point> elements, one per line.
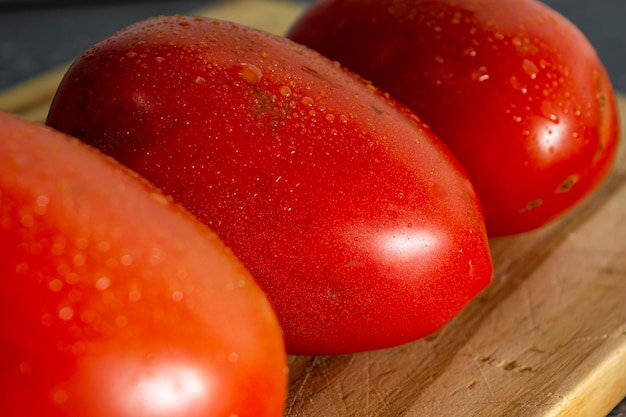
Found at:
<point>402,244</point>
<point>551,136</point>
<point>167,389</point>
<point>154,387</point>
<point>408,243</point>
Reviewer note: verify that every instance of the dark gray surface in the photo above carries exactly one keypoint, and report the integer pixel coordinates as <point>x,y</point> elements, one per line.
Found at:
<point>37,38</point>
<point>604,24</point>
<point>36,35</point>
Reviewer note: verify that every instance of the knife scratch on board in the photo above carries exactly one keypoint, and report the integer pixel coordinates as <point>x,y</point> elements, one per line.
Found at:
<point>530,305</point>
<point>297,396</point>
<point>479,363</point>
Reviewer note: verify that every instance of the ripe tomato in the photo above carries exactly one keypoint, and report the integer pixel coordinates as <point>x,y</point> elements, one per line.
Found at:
<point>512,87</point>
<point>114,302</point>
<point>355,220</point>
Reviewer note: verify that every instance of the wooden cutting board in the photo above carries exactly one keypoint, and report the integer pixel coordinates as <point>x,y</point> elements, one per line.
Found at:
<point>547,338</point>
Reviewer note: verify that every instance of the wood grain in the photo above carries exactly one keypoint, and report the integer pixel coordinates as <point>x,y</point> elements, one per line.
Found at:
<point>547,338</point>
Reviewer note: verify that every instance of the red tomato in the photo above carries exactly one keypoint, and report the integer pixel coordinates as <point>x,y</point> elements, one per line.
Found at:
<point>511,86</point>
<point>114,302</point>
<point>355,220</point>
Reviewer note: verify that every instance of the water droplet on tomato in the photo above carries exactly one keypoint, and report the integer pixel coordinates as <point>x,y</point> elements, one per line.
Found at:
<point>249,72</point>
<point>126,260</point>
<point>55,285</point>
<point>66,313</point>
<point>41,204</point>
<point>470,52</point>
<point>480,74</point>
<point>134,296</point>
<point>284,91</point>
<point>530,68</point>
<point>59,396</point>
<point>26,367</point>
<point>103,283</point>
<point>518,85</point>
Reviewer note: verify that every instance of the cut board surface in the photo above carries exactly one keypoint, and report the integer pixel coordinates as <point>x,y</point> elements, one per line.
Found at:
<point>546,338</point>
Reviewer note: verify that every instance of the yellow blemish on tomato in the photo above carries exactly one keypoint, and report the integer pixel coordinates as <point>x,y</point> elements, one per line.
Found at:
<point>567,185</point>
<point>531,205</point>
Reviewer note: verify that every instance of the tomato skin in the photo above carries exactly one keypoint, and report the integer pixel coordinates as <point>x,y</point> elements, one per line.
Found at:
<point>353,218</point>
<point>116,302</point>
<point>512,87</point>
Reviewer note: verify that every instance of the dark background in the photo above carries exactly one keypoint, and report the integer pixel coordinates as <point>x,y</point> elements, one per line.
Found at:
<point>37,35</point>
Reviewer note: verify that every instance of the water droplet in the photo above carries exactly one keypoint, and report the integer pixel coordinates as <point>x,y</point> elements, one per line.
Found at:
<point>548,111</point>
<point>134,295</point>
<point>470,52</point>
<point>480,74</point>
<point>47,319</point>
<point>284,91</point>
<point>55,285</point>
<point>41,204</point>
<point>103,283</point>
<point>59,396</point>
<point>104,246</point>
<point>26,367</point>
<point>456,18</point>
<point>79,259</point>
<point>27,220</point>
<point>121,321</point>
<point>517,84</point>
<point>66,313</point>
<point>249,73</point>
<point>307,101</point>
<point>159,59</point>
<point>126,260</point>
<point>530,68</point>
